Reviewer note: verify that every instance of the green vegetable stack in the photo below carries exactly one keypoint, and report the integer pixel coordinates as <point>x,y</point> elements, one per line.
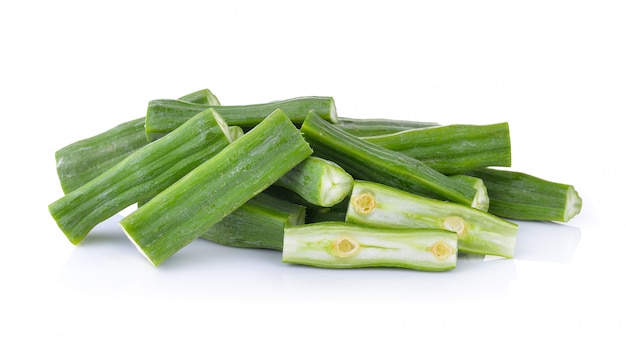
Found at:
<point>292,176</point>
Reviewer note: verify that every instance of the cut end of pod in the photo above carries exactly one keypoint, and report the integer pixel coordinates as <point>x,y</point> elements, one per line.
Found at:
<point>230,134</point>
<point>235,132</point>
<point>332,114</point>
<point>573,205</point>
<point>141,251</point>
<point>336,185</point>
<point>481,199</point>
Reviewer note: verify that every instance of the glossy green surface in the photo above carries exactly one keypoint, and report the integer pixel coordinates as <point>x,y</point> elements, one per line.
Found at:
<point>164,115</point>
<point>365,127</point>
<point>141,175</point>
<point>522,196</point>
<point>216,188</point>
<point>453,149</point>
<point>83,160</point>
<point>367,161</point>
<point>259,223</point>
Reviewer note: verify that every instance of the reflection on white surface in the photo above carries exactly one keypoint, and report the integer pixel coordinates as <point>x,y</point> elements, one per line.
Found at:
<point>472,278</point>
<point>106,262</point>
<point>546,241</point>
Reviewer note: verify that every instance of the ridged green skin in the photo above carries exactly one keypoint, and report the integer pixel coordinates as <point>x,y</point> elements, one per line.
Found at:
<point>453,149</point>
<point>80,162</point>
<point>235,133</point>
<point>318,181</point>
<point>480,232</point>
<point>319,245</point>
<point>140,175</point>
<point>164,115</point>
<point>367,161</point>
<point>522,196</point>
<point>259,223</point>
<point>187,209</point>
<point>367,127</point>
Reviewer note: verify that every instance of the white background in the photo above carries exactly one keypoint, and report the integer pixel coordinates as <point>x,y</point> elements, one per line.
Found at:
<point>555,70</point>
